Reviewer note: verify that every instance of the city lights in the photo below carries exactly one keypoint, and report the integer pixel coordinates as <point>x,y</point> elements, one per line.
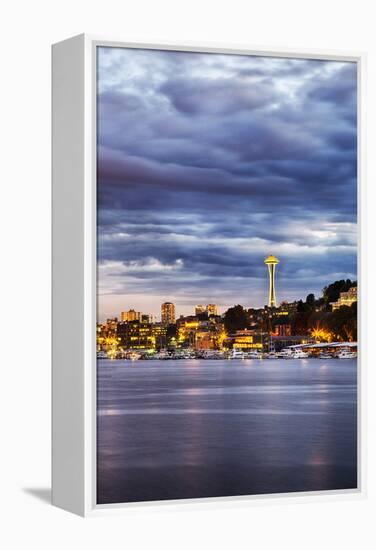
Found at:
<point>208,333</point>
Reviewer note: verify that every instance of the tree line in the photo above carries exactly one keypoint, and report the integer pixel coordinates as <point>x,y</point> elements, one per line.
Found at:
<point>312,316</point>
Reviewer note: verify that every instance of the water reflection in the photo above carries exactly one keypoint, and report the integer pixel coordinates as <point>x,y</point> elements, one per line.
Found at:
<point>167,430</point>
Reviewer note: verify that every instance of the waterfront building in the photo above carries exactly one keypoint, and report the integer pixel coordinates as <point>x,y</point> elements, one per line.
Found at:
<point>137,335</point>
<point>205,340</point>
<point>271,262</point>
<point>100,337</point>
<point>130,315</point>
<point>200,334</point>
<point>168,313</point>
<point>277,343</point>
<point>107,338</point>
<point>159,333</point>
<point>346,298</point>
<point>248,340</point>
<point>186,330</point>
<point>107,329</point>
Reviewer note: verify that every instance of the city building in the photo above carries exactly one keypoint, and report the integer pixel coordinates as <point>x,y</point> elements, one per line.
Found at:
<point>130,315</point>
<point>282,330</point>
<point>346,298</point>
<point>135,335</point>
<point>272,262</point>
<point>159,332</point>
<point>211,309</point>
<point>199,309</point>
<point>107,338</point>
<point>248,340</point>
<point>278,343</point>
<point>187,328</point>
<point>199,334</point>
<point>168,313</point>
<point>288,307</point>
<point>111,325</point>
<point>148,318</point>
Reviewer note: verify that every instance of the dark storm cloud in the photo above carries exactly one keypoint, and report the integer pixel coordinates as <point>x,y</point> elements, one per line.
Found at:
<point>218,96</point>
<point>206,163</point>
<point>341,90</point>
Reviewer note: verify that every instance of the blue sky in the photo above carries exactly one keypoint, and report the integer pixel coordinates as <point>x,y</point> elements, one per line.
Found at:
<point>207,163</point>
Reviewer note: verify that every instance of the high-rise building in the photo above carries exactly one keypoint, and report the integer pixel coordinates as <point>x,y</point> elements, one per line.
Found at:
<point>130,315</point>
<point>148,318</point>
<point>111,324</point>
<point>168,313</point>
<point>211,309</point>
<point>199,309</point>
<point>271,262</point>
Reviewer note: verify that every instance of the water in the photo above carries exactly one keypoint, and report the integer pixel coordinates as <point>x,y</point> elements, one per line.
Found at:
<point>195,428</point>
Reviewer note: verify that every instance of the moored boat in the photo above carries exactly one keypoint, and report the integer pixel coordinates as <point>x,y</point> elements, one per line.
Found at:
<point>347,354</point>
<point>236,354</point>
<point>299,354</point>
<point>253,355</point>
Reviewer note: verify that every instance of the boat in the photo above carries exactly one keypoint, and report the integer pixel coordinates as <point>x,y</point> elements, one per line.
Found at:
<point>211,354</point>
<point>325,355</point>
<point>347,354</point>
<point>236,354</point>
<point>285,354</point>
<point>298,354</point>
<point>161,355</point>
<point>183,354</point>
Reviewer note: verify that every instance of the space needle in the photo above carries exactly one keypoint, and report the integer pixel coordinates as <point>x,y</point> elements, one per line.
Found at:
<point>271,262</point>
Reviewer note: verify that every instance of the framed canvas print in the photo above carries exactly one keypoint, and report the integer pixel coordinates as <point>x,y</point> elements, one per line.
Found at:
<point>206,274</point>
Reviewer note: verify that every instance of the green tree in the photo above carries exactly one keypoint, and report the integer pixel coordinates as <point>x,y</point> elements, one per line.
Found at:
<point>342,322</point>
<point>236,318</point>
<point>300,322</point>
<point>310,302</point>
<point>300,307</point>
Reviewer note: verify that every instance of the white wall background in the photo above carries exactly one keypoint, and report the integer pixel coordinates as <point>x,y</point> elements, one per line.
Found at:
<point>27,30</point>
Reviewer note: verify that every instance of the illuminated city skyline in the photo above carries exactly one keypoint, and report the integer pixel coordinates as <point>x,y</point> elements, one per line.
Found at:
<point>208,162</point>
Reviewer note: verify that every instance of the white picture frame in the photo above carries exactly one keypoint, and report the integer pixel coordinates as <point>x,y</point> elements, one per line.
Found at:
<point>74,273</point>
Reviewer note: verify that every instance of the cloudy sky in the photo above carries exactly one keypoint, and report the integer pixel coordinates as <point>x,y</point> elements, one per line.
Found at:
<point>207,163</point>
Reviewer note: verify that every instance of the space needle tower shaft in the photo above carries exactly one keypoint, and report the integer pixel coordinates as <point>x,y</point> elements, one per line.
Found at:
<point>272,262</point>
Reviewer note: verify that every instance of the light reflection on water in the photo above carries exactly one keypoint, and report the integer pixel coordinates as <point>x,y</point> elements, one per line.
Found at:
<point>167,430</point>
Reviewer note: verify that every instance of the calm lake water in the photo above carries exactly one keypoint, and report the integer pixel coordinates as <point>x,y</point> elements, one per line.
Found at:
<point>187,429</point>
